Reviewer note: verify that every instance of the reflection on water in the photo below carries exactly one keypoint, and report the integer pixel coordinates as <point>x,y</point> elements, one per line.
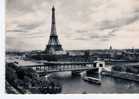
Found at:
<point>75,84</point>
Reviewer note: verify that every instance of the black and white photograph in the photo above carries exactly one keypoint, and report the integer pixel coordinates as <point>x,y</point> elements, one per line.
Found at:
<point>71,47</point>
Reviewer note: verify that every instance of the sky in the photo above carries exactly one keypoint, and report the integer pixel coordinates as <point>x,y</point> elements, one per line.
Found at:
<point>81,24</point>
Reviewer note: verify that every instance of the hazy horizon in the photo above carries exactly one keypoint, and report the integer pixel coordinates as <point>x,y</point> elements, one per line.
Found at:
<point>81,24</point>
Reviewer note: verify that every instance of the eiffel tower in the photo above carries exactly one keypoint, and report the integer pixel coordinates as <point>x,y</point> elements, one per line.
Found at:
<point>53,43</point>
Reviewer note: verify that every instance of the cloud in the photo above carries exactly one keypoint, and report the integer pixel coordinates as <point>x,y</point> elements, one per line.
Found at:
<point>91,23</point>
<point>108,24</point>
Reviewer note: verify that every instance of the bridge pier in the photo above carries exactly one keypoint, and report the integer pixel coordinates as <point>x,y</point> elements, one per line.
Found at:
<point>75,73</point>
<point>42,74</point>
<point>92,71</point>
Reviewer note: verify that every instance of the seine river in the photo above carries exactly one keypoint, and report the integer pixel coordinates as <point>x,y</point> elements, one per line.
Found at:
<point>75,85</point>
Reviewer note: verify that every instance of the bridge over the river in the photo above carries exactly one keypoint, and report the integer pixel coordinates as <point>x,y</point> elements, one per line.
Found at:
<point>50,67</point>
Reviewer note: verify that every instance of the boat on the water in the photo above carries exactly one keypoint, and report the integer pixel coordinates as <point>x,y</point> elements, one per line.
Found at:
<point>92,80</point>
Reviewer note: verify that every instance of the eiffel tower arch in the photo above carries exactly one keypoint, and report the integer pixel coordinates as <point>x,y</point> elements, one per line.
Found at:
<point>53,43</point>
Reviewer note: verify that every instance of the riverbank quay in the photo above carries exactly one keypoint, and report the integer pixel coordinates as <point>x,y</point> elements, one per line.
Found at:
<point>122,75</point>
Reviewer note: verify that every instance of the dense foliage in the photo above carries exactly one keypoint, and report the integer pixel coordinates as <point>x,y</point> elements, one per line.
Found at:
<point>26,80</point>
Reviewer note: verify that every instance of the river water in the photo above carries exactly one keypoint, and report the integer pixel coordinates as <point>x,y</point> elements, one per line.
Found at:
<point>75,84</point>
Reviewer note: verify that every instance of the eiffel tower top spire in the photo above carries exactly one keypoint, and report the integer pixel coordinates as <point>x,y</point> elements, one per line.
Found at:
<point>53,43</point>
<point>53,25</point>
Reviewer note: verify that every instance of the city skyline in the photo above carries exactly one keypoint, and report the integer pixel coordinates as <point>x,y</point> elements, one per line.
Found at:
<point>92,24</point>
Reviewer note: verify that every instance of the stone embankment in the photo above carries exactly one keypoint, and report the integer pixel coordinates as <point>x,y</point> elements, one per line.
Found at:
<point>122,75</point>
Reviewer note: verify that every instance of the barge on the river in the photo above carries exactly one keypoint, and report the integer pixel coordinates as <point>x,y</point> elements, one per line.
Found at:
<point>92,80</point>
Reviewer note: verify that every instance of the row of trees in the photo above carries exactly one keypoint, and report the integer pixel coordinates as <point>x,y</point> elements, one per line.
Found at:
<point>26,80</point>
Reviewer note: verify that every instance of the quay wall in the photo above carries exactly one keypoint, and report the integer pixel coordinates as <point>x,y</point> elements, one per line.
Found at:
<point>122,75</point>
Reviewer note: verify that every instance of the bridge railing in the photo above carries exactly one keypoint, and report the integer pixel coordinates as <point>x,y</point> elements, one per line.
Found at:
<point>50,67</point>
